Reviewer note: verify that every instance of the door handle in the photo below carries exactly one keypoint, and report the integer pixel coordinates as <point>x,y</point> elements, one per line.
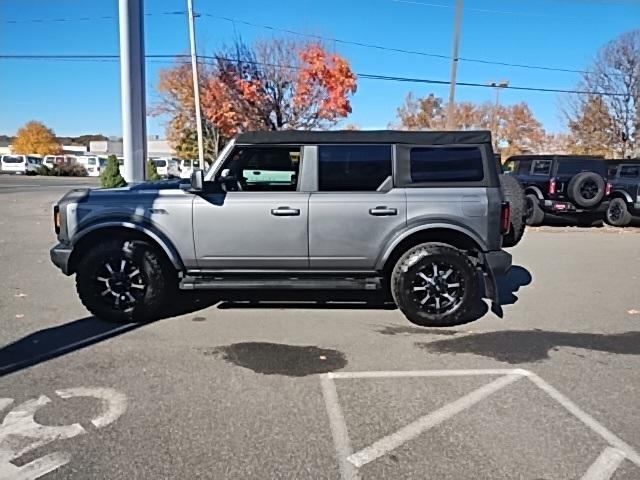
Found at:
<point>383,211</point>
<point>285,212</point>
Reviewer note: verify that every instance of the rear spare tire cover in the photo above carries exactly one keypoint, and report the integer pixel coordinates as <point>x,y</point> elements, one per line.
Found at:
<point>586,189</point>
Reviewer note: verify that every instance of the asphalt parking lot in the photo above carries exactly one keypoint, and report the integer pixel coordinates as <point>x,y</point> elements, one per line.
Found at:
<point>285,388</point>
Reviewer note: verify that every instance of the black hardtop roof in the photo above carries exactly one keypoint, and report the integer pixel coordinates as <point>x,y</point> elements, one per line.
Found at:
<point>366,136</point>
<point>559,158</point>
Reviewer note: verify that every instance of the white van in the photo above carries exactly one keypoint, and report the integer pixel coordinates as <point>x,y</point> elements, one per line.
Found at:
<point>20,164</point>
<point>91,163</point>
<point>167,167</point>
<point>188,166</point>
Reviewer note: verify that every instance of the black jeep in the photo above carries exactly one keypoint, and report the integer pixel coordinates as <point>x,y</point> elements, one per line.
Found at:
<point>624,192</point>
<point>561,185</point>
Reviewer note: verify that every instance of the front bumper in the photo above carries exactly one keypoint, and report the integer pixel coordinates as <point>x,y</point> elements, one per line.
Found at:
<point>60,255</point>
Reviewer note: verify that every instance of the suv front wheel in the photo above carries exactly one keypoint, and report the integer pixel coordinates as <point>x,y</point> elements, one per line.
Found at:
<point>124,281</point>
<point>435,285</point>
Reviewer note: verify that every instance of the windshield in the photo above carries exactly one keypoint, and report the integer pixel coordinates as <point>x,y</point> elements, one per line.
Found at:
<point>12,159</point>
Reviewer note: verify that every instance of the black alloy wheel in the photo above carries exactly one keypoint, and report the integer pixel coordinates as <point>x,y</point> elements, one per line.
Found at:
<point>437,288</point>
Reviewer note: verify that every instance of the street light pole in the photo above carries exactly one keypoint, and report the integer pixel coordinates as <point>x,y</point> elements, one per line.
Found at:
<point>494,115</point>
<point>454,64</point>
<point>134,111</point>
<point>196,83</point>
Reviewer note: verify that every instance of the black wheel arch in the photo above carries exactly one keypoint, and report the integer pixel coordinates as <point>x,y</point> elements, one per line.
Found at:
<point>535,191</point>
<point>95,233</point>
<point>449,236</point>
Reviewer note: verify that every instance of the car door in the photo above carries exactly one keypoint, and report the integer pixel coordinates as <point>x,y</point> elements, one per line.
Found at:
<point>355,208</point>
<point>259,220</point>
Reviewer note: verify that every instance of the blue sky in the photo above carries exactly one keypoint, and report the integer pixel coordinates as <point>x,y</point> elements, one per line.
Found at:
<point>75,97</point>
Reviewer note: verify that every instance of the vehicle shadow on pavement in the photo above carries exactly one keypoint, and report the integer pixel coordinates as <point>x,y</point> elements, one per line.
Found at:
<point>527,346</point>
<point>59,340</point>
<point>56,341</point>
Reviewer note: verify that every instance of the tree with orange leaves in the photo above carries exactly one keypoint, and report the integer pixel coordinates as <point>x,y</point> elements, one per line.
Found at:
<point>35,137</point>
<point>277,85</point>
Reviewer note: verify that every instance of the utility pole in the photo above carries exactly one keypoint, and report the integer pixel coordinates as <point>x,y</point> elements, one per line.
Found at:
<point>494,115</point>
<point>196,83</point>
<point>454,64</point>
<point>134,110</point>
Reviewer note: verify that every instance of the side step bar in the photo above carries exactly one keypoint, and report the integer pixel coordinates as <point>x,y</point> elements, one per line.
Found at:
<point>275,282</point>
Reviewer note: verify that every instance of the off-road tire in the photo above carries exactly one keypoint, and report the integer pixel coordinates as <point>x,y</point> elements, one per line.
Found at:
<point>514,194</point>
<point>618,213</point>
<point>578,182</point>
<point>536,214</point>
<point>156,273</point>
<point>405,273</point>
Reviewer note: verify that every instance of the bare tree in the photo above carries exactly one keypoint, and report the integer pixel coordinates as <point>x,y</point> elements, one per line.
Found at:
<point>615,70</point>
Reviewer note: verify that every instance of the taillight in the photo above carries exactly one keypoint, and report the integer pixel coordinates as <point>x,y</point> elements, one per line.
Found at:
<point>552,186</point>
<point>505,218</point>
<point>56,219</point>
<point>608,188</point>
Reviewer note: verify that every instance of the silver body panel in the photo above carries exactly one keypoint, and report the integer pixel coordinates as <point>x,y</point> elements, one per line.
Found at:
<point>315,231</point>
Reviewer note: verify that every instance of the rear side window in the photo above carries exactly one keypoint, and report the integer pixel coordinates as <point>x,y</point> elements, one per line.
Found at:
<point>541,167</point>
<point>449,164</point>
<point>568,167</point>
<point>353,168</point>
<point>630,171</point>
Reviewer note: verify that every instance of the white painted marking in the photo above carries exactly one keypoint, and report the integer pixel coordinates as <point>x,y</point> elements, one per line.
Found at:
<point>587,419</point>
<point>114,403</point>
<point>428,373</point>
<point>35,469</point>
<point>411,431</point>
<point>20,433</point>
<point>605,465</point>
<point>338,428</point>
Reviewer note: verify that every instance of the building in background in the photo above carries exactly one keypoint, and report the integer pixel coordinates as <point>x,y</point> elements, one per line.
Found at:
<point>156,148</point>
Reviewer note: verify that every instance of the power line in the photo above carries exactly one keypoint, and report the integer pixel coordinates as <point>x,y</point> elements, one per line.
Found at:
<point>327,39</point>
<point>391,49</point>
<point>482,10</point>
<point>210,60</point>
<point>84,19</point>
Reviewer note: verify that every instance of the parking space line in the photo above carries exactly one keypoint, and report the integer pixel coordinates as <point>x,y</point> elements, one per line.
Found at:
<point>338,428</point>
<point>605,465</point>
<point>587,419</point>
<point>409,432</point>
<point>428,373</point>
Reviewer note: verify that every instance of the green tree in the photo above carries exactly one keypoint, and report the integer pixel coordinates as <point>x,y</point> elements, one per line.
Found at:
<point>111,177</point>
<point>152,172</point>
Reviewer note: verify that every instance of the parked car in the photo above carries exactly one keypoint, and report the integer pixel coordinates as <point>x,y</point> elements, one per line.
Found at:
<point>167,167</point>
<point>561,185</point>
<point>419,215</point>
<point>623,190</point>
<point>92,164</point>
<point>20,164</point>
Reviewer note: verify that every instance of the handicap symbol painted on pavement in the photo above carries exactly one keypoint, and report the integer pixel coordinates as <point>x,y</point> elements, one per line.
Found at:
<point>20,433</point>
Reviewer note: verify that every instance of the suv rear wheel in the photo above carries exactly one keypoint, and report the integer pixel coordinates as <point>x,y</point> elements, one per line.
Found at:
<point>534,215</point>
<point>618,213</point>
<point>124,281</point>
<point>435,285</point>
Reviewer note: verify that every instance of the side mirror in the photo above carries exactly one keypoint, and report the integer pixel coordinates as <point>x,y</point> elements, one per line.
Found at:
<point>197,181</point>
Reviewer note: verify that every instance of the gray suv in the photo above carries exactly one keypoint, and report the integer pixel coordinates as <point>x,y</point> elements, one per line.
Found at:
<point>419,215</point>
